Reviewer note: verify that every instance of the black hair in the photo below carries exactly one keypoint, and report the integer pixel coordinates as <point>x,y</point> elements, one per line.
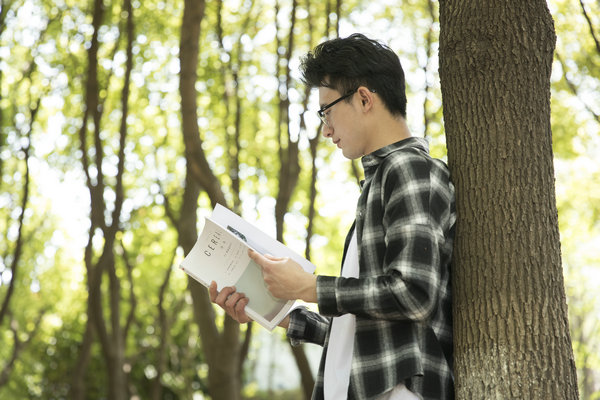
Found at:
<point>344,64</point>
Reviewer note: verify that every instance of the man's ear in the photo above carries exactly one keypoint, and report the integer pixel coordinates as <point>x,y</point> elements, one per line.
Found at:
<point>366,97</point>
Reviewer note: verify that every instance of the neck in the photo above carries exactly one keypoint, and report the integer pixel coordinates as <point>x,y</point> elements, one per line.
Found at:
<point>388,130</point>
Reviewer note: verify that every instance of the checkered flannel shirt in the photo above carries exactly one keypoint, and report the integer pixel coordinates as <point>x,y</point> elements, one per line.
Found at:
<point>402,298</point>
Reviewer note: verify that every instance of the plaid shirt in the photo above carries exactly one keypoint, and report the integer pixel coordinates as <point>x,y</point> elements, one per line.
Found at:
<point>402,299</point>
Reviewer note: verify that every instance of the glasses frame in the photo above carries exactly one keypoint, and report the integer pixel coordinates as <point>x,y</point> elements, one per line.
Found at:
<point>321,111</point>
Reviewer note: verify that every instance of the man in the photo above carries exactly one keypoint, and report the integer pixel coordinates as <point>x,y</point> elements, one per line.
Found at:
<point>385,323</point>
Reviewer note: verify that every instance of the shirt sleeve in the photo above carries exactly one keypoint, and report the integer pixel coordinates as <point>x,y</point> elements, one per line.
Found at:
<point>401,243</point>
<point>307,326</point>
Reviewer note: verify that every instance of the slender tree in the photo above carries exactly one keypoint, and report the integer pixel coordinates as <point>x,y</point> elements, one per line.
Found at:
<point>222,348</point>
<point>92,111</point>
<point>13,257</point>
<point>510,316</point>
<point>15,264</point>
<point>288,146</point>
<point>109,330</point>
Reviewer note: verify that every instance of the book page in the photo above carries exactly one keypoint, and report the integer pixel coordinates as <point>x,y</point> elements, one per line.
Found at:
<point>217,256</point>
<point>257,239</point>
<point>221,255</point>
<point>251,283</point>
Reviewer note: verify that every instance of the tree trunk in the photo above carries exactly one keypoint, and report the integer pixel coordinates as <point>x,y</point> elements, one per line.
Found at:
<point>221,349</point>
<point>288,147</point>
<point>511,333</point>
<point>197,163</point>
<point>77,389</point>
<point>110,333</point>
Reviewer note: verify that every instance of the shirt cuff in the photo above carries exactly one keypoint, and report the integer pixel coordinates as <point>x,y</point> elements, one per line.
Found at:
<point>307,326</point>
<point>326,295</point>
<point>297,327</point>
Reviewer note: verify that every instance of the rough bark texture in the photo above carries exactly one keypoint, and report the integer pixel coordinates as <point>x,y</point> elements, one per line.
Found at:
<point>510,316</point>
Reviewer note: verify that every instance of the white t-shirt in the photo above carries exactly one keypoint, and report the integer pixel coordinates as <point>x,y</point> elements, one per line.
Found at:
<point>338,360</point>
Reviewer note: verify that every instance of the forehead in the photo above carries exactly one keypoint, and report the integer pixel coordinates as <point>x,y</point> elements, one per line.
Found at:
<point>327,95</point>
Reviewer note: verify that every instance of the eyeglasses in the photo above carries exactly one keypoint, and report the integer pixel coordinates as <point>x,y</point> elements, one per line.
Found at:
<point>321,112</point>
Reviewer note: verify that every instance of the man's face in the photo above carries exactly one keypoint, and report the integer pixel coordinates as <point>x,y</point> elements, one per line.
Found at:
<point>344,123</point>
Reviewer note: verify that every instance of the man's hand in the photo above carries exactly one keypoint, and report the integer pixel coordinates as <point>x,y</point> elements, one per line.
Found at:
<point>285,278</point>
<point>234,303</point>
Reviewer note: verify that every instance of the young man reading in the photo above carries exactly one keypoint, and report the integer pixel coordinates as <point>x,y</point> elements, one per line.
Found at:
<point>386,322</point>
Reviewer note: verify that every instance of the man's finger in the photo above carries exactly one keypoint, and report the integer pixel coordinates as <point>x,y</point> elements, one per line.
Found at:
<point>273,258</point>
<point>254,255</point>
<point>212,291</point>
<point>262,259</point>
<point>231,301</point>
<point>240,310</point>
<point>223,295</point>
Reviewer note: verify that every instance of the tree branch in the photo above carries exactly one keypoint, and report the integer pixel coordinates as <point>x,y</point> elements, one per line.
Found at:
<point>14,265</point>
<point>574,88</point>
<point>428,41</point>
<point>163,323</point>
<point>590,25</point>
<point>18,346</point>
<point>132,298</point>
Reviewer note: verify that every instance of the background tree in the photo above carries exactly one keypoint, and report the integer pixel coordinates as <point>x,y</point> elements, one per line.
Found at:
<point>19,281</point>
<point>105,218</point>
<point>222,348</point>
<point>510,314</point>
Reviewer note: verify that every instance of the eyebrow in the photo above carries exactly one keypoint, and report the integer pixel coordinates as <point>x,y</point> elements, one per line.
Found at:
<point>321,105</point>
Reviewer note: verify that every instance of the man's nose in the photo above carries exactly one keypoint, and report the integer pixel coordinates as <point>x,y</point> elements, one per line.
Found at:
<point>327,131</point>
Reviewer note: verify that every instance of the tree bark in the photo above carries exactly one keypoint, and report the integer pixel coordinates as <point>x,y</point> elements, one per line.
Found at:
<point>221,349</point>
<point>511,332</point>
<point>114,350</point>
<point>110,333</point>
<point>198,166</point>
<point>77,390</point>
<point>288,147</point>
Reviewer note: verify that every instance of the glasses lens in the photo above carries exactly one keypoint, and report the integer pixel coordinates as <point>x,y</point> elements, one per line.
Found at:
<point>321,112</point>
<point>323,117</point>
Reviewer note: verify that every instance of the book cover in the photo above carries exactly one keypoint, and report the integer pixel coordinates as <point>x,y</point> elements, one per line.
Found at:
<point>221,254</point>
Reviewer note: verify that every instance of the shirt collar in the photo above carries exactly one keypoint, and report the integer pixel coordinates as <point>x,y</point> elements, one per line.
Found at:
<point>371,161</point>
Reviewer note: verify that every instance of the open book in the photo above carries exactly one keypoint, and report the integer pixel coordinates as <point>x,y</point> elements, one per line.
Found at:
<point>221,255</point>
